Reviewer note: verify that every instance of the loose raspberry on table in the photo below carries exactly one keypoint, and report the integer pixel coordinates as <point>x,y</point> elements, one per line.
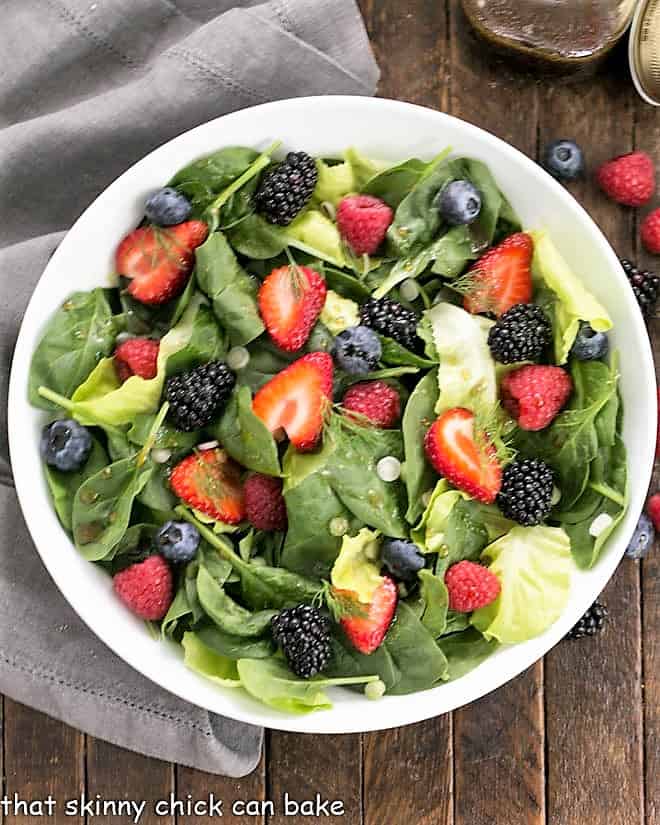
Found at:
<point>628,179</point>
<point>650,231</point>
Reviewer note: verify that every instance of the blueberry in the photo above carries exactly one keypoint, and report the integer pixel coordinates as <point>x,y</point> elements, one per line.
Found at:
<point>177,541</point>
<point>402,558</point>
<point>167,207</point>
<point>590,345</point>
<point>65,445</point>
<point>460,202</point>
<point>563,159</point>
<point>642,538</point>
<point>357,350</point>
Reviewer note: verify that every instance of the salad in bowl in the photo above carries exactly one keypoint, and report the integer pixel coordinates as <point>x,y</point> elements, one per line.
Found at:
<point>336,421</point>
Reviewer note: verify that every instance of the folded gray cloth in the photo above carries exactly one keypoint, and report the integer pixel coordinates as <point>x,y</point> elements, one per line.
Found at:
<point>87,87</point>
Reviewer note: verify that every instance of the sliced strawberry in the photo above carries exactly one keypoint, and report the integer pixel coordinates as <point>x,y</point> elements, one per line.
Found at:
<point>159,260</point>
<point>468,463</point>
<point>502,277</point>
<point>290,300</point>
<point>367,632</point>
<point>210,482</point>
<point>296,399</point>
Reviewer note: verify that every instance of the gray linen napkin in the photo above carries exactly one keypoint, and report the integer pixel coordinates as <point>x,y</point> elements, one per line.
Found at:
<point>87,87</point>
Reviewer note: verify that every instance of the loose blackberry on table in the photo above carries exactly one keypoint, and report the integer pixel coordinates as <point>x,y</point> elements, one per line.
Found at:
<point>591,623</point>
<point>526,492</point>
<point>645,286</point>
<point>285,190</point>
<point>391,319</point>
<point>197,397</point>
<point>303,633</point>
<point>522,333</point>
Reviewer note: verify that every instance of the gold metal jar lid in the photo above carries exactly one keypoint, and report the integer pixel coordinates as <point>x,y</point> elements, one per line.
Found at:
<point>644,50</point>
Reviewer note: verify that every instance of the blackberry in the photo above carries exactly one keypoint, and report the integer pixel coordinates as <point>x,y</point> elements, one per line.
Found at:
<point>196,397</point>
<point>285,190</point>
<point>521,334</point>
<point>645,286</point>
<point>391,319</point>
<point>303,633</point>
<point>591,623</point>
<point>526,492</point>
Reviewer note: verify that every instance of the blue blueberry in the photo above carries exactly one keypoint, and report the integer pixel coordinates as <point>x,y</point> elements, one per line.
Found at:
<point>642,538</point>
<point>563,159</point>
<point>167,207</point>
<point>590,345</point>
<point>402,558</point>
<point>357,350</point>
<point>460,202</point>
<point>65,445</point>
<point>177,541</point>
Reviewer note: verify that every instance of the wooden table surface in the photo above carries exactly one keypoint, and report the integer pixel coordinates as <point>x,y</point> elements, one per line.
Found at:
<point>573,741</point>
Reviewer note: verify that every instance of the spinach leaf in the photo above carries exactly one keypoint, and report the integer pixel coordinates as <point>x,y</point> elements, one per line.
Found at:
<point>231,290</point>
<point>245,437</point>
<point>466,650</point>
<point>82,331</point>
<point>417,417</point>
<point>394,354</point>
<point>178,611</point>
<point>166,436</point>
<point>435,600</point>
<point>63,486</point>
<point>346,285</point>
<point>255,238</point>
<point>206,343</point>
<point>465,535</point>
<point>227,614</point>
<point>209,663</point>
<point>234,647</point>
<point>134,546</point>
<point>393,184</point>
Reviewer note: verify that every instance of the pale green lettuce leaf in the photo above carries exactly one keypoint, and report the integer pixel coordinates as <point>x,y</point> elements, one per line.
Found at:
<point>534,567</point>
<point>363,167</point>
<point>339,313</point>
<point>466,375</point>
<point>312,232</point>
<point>334,182</point>
<point>574,302</point>
<point>200,658</point>
<point>356,568</point>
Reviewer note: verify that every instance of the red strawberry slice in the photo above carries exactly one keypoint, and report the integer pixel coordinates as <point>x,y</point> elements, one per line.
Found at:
<point>366,633</point>
<point>210,482</point>
<point>502,277</point>
<point>290,300</point>
<point>468,463</point>
<point>296,399</point>
<point>159,261</point>
<point>137,356</point>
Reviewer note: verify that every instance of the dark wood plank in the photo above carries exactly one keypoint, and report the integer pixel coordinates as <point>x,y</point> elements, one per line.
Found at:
<point>199,784</point>
<point>42,757</point>
<point>408,775</point>
<point>593,696</point>
<point>118,774</point>
<point>498,741</point>
<point>303,766</point>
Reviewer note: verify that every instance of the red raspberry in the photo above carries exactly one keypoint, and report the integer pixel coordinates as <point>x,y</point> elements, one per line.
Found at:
<point>137,356</point>
<point>146,588</point>
<point>264,502</point>
<point>471,586</point>
<point>362,221</point>
<point>375,400</point>
<point>653,509</point>
<point>628,179</point>
<point>533,395</point>
<point>650,232</point>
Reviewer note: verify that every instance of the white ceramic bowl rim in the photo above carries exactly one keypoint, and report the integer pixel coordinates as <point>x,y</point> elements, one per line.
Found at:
<point>323,125</point>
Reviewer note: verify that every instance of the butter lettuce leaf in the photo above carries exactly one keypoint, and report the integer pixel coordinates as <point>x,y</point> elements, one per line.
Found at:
<point>209,663</point>
<point>356,567</point>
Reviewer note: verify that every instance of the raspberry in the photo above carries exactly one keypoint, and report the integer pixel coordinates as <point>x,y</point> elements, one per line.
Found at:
<point>285,190</point>
<point>136,356</point>
<point>264,503</point>
<point>470,586</point>
<point>650,232</point>
<point>362,221</point>
<point>146,588</point>
<point>375,400</point>
<point>653,509</point>
<point>628,179</point>
<point>533,395</point>
<point>303,633</point>
<point>657,438</point>
<point>198,396</point>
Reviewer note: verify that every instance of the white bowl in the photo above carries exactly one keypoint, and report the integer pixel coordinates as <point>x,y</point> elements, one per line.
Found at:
<point>324,126</point>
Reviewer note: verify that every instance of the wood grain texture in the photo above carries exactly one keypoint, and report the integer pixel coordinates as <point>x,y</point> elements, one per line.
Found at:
<point>42,757</point>
<point>115,773</point>
<point>199,784</point>
<point>408,775</point>
<point>305,765</point>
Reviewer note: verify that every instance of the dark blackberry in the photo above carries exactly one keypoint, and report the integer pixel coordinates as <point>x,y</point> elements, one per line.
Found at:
<point>522,333</point>
<point>303,633</point>
<point>285,190</point>
<point>391,319</point>
<point>197,397</point>
<point>526,491</point>
<point>591,623</point>
<point>645,286</point>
